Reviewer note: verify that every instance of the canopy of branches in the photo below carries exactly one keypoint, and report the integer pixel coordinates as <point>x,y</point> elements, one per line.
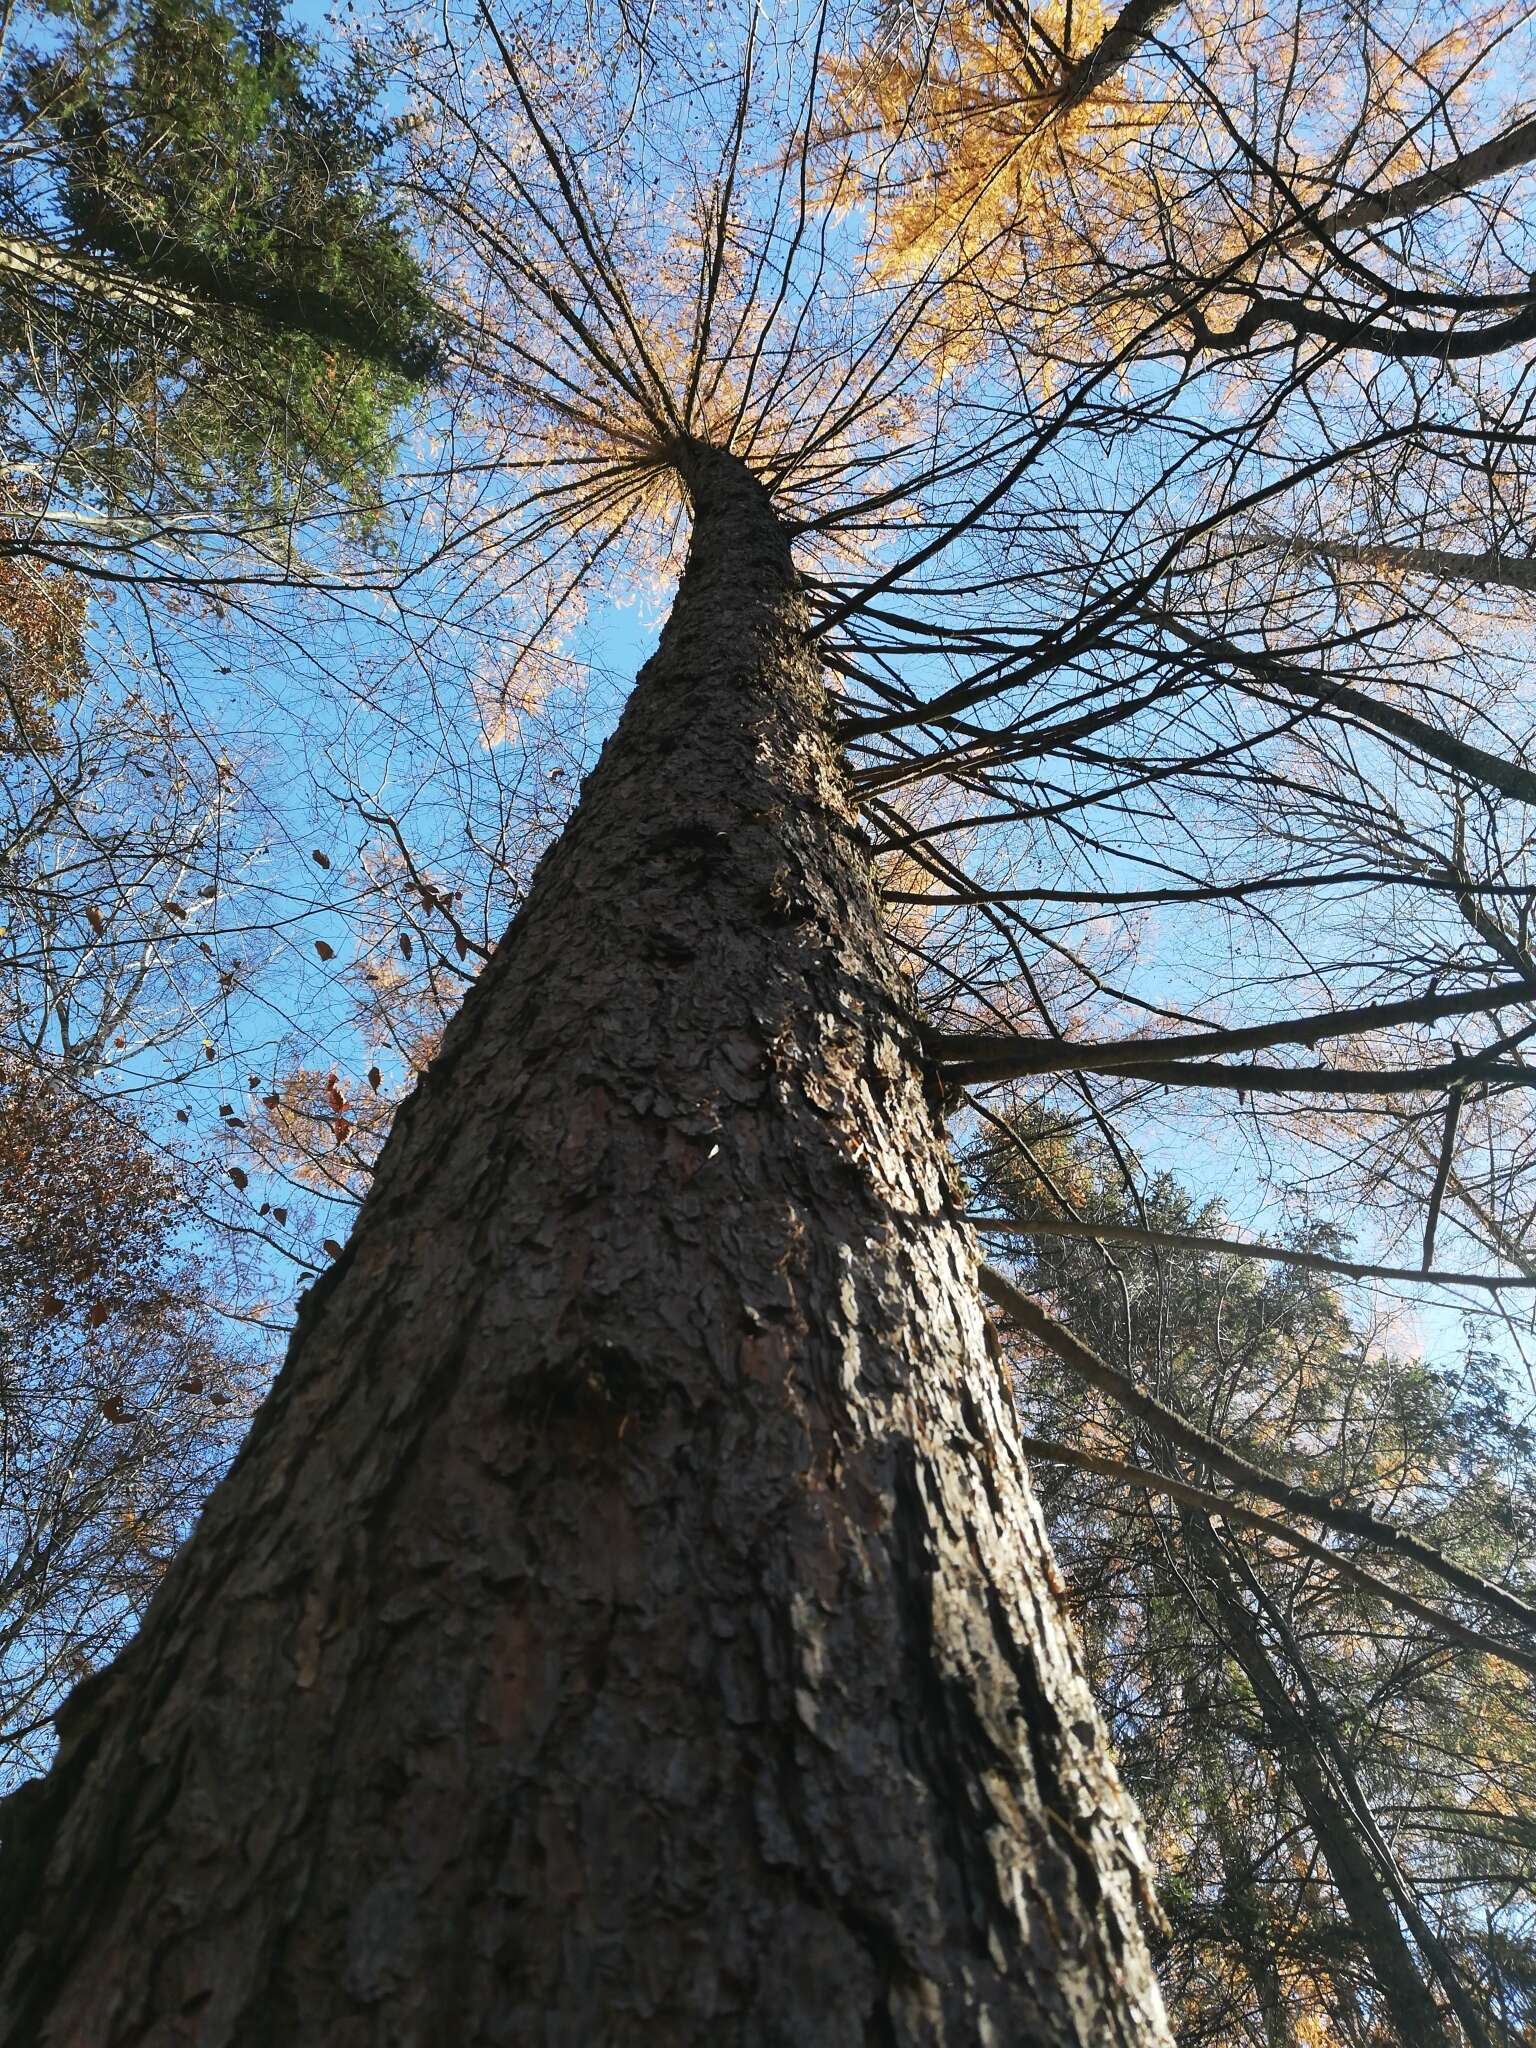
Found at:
<point>1150,397</point>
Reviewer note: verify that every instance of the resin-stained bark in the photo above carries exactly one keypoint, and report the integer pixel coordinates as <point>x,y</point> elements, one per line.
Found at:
<point>627,1622</point>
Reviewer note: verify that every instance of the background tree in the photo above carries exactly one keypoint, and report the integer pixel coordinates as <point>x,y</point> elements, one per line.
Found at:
<point>1266,767</point>
<point>1273,1720</point>
<point>120,1395</point>
<point>210,323</point>
<point>42,653</point>
<point>210,317</point>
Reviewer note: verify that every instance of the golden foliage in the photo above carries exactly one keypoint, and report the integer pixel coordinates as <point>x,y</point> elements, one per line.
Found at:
<point>994,170</point>
<point>42,650</point>
<point>322,1129</point>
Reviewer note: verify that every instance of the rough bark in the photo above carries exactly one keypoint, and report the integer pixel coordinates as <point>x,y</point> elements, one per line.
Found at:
<point>628,1621</point>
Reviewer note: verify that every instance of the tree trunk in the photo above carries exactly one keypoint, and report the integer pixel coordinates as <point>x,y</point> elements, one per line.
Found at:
<point>1244,1908</point>
<point>628,1621</point>
<point>1418,2020</point>
<point>1446,565</point>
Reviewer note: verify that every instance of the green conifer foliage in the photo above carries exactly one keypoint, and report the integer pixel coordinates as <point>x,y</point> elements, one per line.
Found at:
<point>206,301</point>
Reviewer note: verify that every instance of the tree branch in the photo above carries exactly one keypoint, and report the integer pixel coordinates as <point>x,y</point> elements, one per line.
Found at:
<point>1239,1248</point>
<point>1317,1507</point>
<point>988,1056</point>
<point>1048,1451</point>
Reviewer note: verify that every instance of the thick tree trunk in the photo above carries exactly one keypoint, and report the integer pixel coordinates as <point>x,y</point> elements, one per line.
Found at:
<point>628,1621</point>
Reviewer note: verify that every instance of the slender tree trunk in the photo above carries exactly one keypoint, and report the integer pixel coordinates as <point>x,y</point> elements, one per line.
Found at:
<point>627,1621</point>
<point>1324,1735</point>
<point>1418,2019</point>
<point>1240,1894</point>
<point>1264,1976</point>
<point>1512,572</point>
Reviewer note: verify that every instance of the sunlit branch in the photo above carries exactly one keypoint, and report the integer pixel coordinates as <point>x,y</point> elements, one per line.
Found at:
<point>1205,1502</point>
<point>1240,1248</point>
<point>1033,1320</point>
<point>979,1056</point>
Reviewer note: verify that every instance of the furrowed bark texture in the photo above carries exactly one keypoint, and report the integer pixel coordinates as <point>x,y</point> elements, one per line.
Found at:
<point>628,1621</point>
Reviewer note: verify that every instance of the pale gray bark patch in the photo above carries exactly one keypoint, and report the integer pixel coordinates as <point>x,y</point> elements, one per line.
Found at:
<point>628,1621</point>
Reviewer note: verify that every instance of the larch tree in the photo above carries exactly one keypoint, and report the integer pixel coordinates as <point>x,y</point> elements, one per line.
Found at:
<point>629,1617</point>
<point>716,1595</point>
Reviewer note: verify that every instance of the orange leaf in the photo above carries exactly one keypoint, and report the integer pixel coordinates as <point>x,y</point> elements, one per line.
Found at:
<point>326,952</point>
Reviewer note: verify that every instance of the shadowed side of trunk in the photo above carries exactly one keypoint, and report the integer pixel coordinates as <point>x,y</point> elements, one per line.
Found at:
<point>628,1620</point>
